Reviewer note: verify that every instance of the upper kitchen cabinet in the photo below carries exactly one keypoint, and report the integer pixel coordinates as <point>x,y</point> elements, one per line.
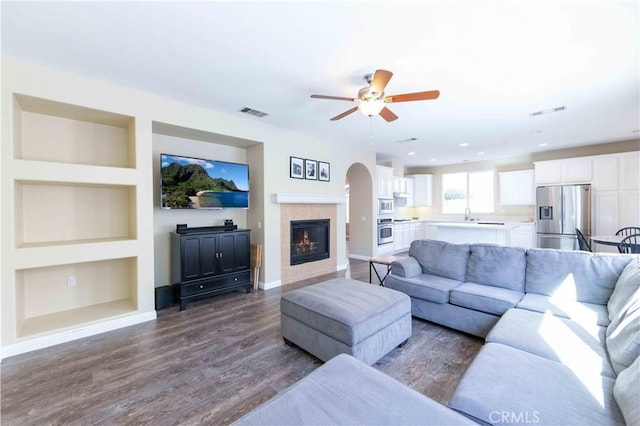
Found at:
<point>517,188</point>
<point>566,171</point>
<point>422,189</point>
<point>384,180</point>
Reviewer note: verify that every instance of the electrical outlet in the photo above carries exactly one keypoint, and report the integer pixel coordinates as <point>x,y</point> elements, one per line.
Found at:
<point>71,281</point>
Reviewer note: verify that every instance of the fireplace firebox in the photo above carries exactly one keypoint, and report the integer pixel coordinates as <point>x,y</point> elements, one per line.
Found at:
<point>309,240</point>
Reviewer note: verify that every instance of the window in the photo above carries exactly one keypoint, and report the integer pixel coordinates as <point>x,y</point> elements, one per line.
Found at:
<point>472,190</point>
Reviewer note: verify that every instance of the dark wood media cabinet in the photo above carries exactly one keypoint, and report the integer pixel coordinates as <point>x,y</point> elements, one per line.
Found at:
<point>209,261</point>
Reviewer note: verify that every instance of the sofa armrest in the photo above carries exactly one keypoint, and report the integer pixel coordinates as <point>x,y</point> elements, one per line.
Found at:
<point>406,267</point>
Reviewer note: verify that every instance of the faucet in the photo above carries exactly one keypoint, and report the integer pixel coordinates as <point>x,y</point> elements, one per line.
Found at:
<point>467,214</point>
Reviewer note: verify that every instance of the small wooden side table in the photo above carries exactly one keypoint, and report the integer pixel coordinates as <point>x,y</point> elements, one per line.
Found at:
<point>383,260</point>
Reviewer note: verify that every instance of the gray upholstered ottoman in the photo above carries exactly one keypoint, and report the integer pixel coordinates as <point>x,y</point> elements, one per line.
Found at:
<point>346,316</point>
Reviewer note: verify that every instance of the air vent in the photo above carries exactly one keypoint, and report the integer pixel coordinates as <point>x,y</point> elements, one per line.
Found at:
<point>254,112</point>
<point>548,111</point>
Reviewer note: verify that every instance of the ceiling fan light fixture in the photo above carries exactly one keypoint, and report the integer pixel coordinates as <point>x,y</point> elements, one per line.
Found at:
<point>371,107</point>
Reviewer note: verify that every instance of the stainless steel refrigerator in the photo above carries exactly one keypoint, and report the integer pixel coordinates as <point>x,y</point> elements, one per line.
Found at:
<point>560,210</point>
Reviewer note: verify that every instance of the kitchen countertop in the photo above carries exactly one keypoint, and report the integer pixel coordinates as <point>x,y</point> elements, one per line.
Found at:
<point>475,224</point>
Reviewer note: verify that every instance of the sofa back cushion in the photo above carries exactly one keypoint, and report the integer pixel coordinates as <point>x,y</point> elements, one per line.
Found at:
<point>623,334</point>
<point>573,275</point>
<point>441,258</point>
<point>497,266</point>
<point>627,284</point>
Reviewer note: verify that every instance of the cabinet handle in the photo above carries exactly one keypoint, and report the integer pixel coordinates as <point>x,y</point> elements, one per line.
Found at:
<point>235,279</point>
<point>201,286</point>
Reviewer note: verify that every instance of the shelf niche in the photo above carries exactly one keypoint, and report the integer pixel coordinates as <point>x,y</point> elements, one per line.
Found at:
<point>61,133</point>
<point>45,302</point>
<point>59,213</point>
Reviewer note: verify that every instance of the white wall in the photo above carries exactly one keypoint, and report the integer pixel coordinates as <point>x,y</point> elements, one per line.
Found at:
<point>147,108</point>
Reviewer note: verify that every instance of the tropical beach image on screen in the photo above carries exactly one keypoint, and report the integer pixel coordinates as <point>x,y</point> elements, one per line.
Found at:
<point>194,183</point>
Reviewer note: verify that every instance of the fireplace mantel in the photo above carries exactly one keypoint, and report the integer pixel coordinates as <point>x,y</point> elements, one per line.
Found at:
<point>284,198</point>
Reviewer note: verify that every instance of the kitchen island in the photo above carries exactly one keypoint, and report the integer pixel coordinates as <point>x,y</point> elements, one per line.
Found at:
<point>476,232</point>
<point>520,234</point>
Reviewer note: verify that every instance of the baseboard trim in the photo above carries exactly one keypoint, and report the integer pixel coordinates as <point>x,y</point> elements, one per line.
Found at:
<point>74,334</point>
<point>342,267</point>
<point>270,285</point>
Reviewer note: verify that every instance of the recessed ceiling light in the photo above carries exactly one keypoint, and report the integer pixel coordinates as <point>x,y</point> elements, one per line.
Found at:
<point>464,144</point>
<point>433,159</point>
<point>481,153</point>
<point>411,153</point>
<point>543,144</point>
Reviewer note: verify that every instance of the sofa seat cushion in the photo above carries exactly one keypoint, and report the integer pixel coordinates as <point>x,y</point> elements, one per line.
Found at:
<point>508,385</point>
<point>573,275</point>
<point>555,338</point>
<point>441,258</point>
<point>497,266</point>
<point>587,314</point>
<point>346,310</point>
<point>345,391</point>
<point>425,286</point>
<point>484,298</point>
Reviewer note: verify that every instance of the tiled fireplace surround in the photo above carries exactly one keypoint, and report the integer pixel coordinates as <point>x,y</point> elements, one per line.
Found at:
<point>305,211</point>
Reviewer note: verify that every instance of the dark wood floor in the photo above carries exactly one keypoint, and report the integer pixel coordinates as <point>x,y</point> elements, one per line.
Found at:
<point>210,364</point>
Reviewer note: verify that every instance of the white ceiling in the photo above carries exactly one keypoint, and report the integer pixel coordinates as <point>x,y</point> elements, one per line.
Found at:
<point>494,62</point>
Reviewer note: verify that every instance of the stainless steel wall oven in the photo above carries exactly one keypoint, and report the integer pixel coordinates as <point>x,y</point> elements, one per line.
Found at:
<point>385,231</point>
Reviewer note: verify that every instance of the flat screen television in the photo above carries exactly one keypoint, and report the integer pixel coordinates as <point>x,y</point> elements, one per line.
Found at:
<point>196,183</point>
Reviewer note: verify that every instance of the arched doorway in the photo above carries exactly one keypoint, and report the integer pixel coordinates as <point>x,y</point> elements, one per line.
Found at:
<point>360,218</point>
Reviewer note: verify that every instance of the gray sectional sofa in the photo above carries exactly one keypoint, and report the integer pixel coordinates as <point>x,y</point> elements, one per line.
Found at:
<point>562,333</point>
<point>562,329</point>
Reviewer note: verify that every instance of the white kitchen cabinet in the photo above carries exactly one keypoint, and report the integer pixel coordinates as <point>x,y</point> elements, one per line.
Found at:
<point>420,231</point>
<point>517,188</point>
<point>422,189</point>
<point>430,232</point>
<point>605,175</point>
<point>548,172</point>
<point>577,170</point>
<point>399,185</point>
<point>566,171</point>
<point>605,213</point>
<point>384,179</point>
<point>403,234</point>
<point>523,236</point>
<point>630,171</point>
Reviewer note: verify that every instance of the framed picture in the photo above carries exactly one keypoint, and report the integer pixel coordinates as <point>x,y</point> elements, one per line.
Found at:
<point>296,168</point>
<point>311,169</point>
<point>324,173</point>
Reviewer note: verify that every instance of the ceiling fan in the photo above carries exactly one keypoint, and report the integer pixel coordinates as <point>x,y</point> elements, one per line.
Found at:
<point>371,99</point>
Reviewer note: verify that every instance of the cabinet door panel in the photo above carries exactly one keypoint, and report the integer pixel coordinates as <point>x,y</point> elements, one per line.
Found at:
<point>191,258</point>
<point>227,252</point>
<point>208,253</point>
<point>243,256</point>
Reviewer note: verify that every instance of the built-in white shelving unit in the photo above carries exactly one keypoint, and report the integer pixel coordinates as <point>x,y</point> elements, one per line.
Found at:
<point>73,247</point>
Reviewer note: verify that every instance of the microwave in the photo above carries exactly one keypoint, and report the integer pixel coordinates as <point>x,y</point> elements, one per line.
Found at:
<point>385,206</point>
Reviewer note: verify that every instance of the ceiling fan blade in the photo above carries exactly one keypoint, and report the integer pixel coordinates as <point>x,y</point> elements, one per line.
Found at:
<point>418,96</point>
<point>335,98</point>
<point>387,114</point>
<point>380,80</point>
<point>344,114</point>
